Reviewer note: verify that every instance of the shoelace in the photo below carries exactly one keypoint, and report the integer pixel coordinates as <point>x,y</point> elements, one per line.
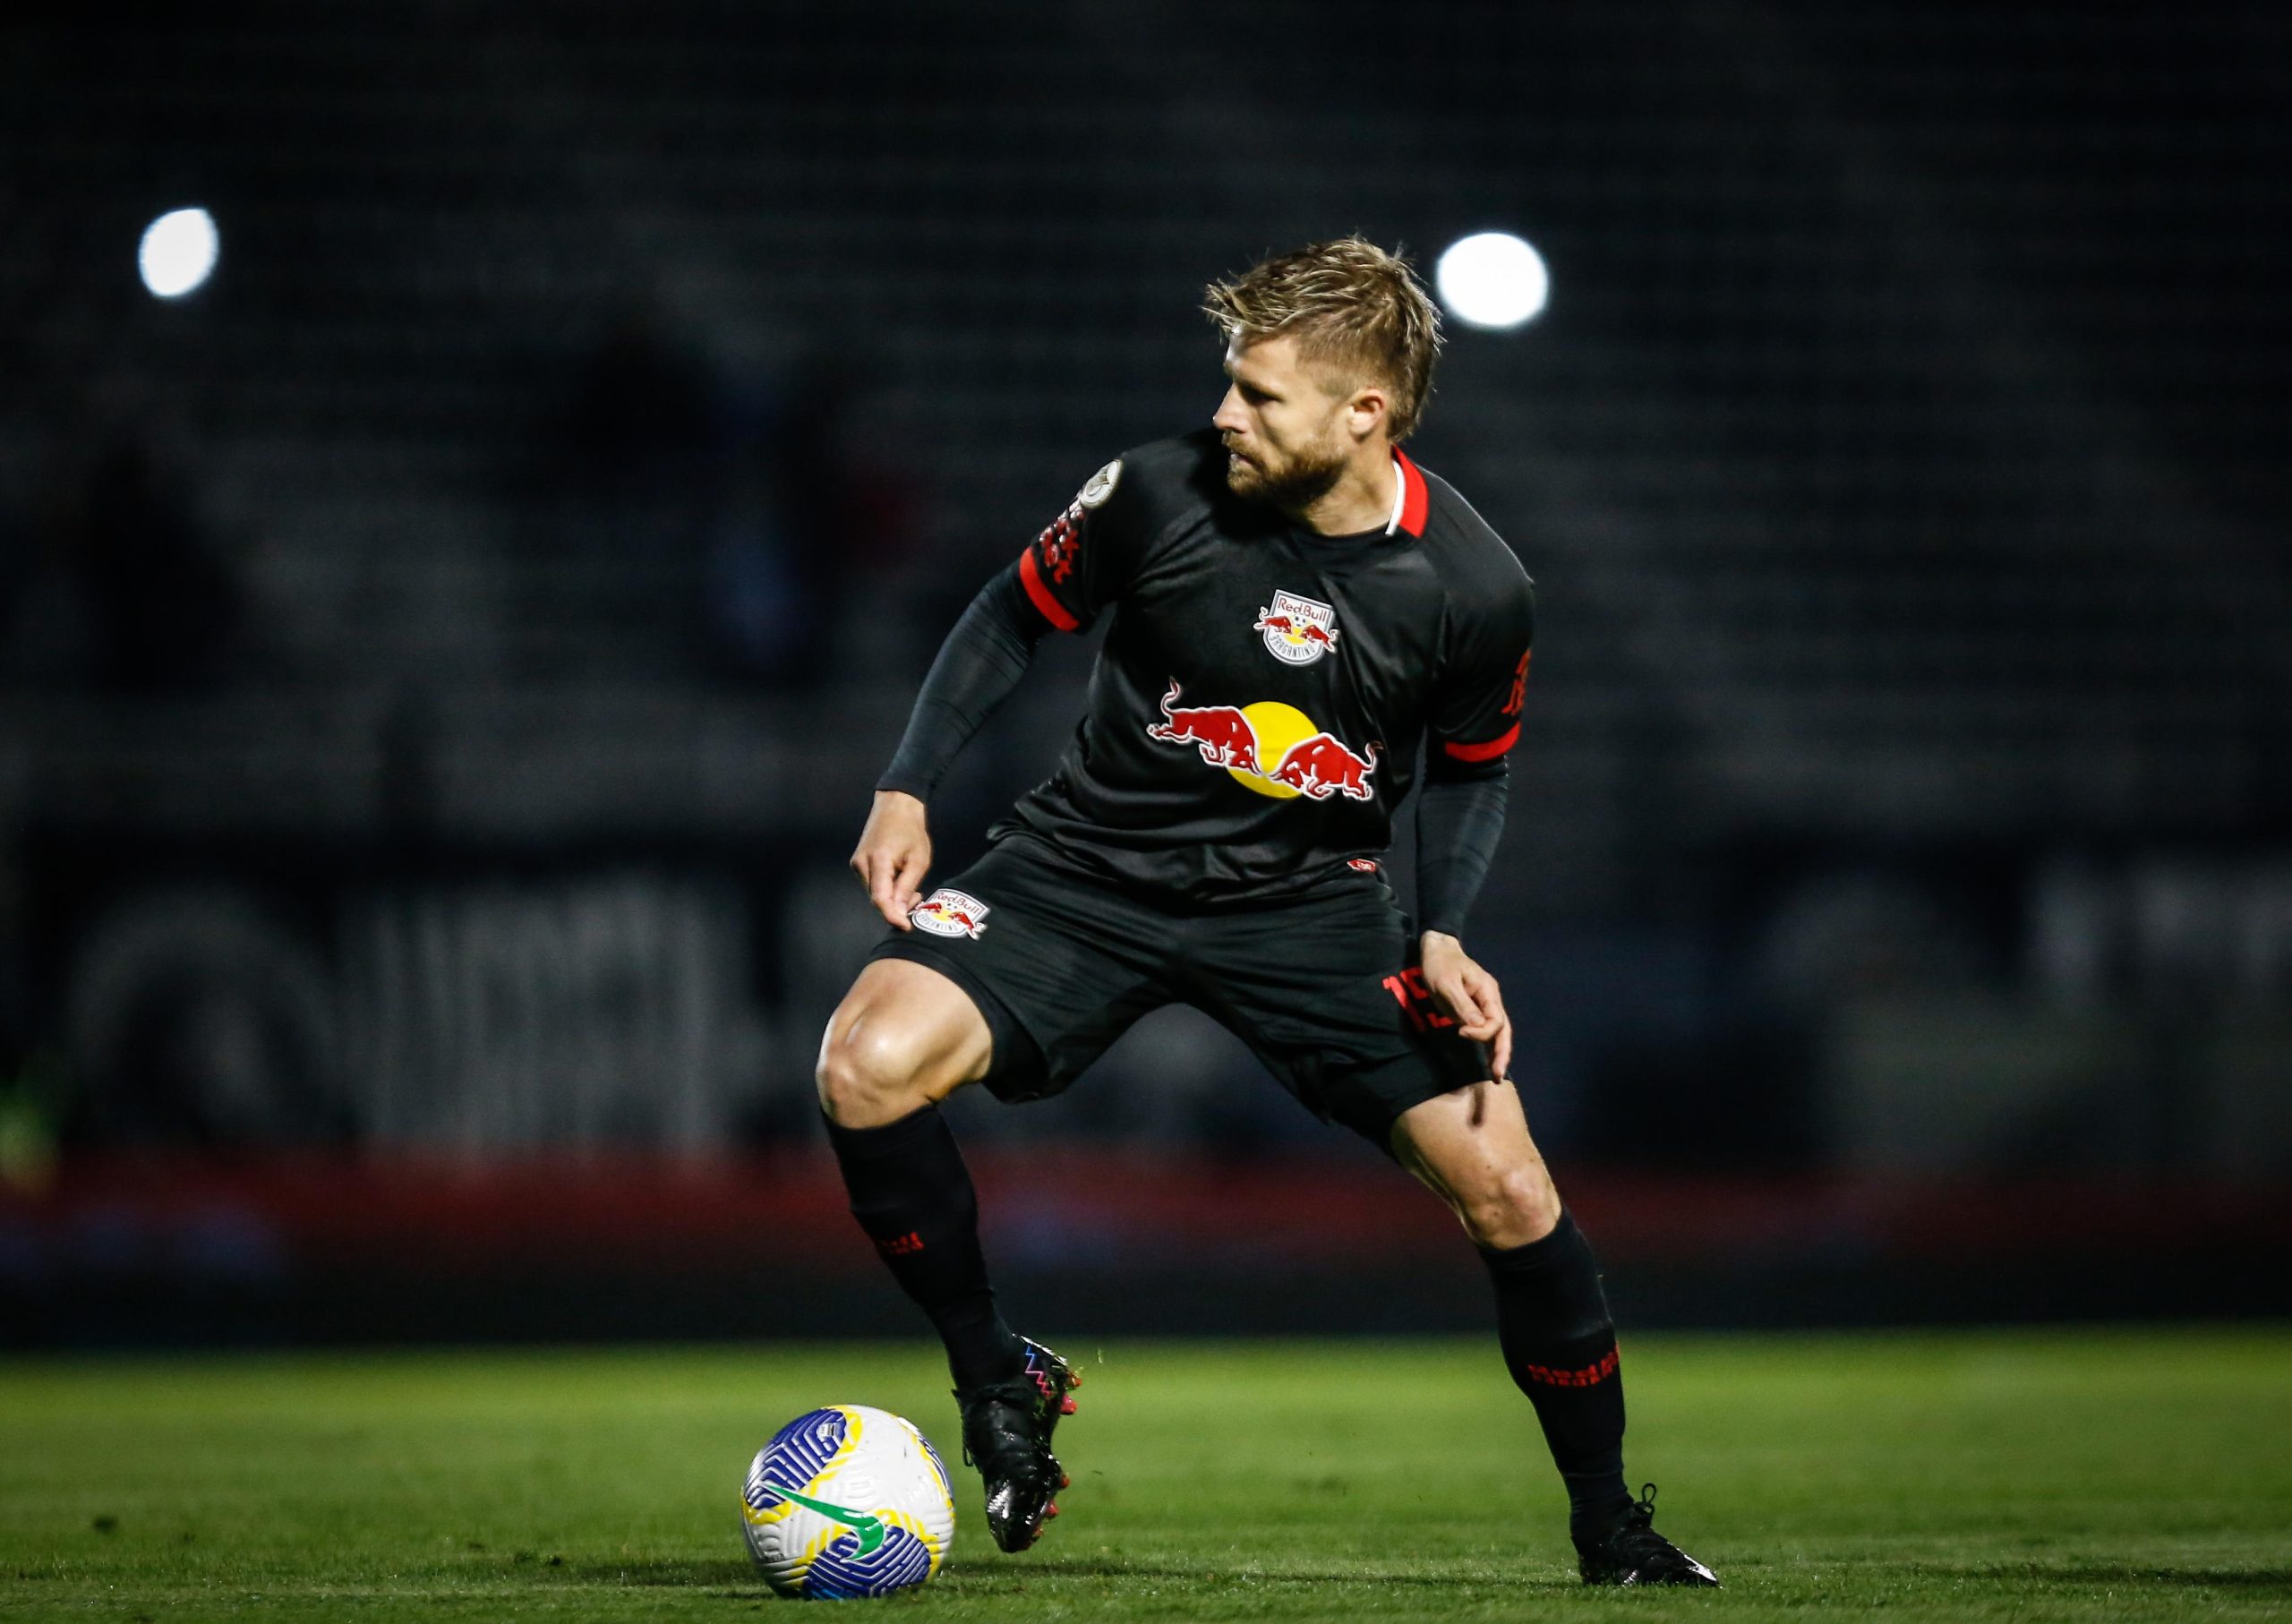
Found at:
<point>1636,1546</point>
<point>1638,1532</point>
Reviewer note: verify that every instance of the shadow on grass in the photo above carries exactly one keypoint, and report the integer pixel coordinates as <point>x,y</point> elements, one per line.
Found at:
<point>2164,1578</point>
<point>1084,1567</point>
<point>736,1580</point>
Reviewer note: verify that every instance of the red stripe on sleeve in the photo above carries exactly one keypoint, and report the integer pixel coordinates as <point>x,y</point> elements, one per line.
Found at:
<point>1488,751</point>
<point>1053,611</point>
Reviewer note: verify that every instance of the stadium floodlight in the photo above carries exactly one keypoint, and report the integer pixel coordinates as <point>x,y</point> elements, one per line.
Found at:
<point>1491,280</point>
<point>178,252</point>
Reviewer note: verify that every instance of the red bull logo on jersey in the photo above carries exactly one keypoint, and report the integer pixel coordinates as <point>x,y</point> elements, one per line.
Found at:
<point>950,913</point>
<point>1220,731</point>
<point>1319,767</point>
<point>1272,749</point>
<point>1297,631</point>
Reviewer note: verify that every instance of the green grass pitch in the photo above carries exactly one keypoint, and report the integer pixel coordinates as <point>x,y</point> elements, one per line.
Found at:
<point>1985,1475</point>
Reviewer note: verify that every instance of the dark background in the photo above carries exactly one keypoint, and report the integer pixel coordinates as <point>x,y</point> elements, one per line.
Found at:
<point>444,659</point>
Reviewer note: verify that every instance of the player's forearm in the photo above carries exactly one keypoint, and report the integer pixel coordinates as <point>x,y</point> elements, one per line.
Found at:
<point>1458,823</point>
<point>978,666</point>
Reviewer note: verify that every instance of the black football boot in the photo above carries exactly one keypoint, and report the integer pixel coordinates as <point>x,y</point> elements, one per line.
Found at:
<point>1006,1435</point>
<point>1633,1553</point>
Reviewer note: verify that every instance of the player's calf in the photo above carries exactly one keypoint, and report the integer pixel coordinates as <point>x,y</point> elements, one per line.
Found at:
<point>1473,1147</point>
<point>905,1038</point>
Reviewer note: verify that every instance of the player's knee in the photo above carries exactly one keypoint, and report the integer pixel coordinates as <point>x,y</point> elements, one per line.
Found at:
<point>871,1072</point>
<point>1515,1206</point>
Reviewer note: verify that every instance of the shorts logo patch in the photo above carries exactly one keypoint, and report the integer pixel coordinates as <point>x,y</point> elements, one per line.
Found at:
<point>1298,630</point>
<point>950,913</point>
<point>1100,486</point>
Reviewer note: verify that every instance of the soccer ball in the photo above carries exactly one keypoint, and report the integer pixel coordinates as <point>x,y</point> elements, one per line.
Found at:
<point>846,1501</point>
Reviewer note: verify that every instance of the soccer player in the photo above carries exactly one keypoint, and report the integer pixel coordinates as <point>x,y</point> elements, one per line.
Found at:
<point>1300,617</point>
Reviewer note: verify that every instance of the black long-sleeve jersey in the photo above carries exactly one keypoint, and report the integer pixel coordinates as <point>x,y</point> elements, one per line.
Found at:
<point>1256,712</point>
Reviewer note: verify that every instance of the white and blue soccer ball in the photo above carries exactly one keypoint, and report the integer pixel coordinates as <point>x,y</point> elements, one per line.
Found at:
<point>846,1501</point>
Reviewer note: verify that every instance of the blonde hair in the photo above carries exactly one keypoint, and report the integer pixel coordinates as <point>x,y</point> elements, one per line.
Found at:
<point>1347,301</point>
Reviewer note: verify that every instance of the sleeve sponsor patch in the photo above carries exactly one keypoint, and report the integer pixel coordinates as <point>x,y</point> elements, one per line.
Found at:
<point>1518,694</point>
<point>1100,486</point>
<point>1052,568</point>
<point>1061,543</point>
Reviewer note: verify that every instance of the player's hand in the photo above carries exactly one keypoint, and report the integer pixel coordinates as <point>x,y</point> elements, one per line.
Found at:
<point>894,855</point>
<point>1471,995</point>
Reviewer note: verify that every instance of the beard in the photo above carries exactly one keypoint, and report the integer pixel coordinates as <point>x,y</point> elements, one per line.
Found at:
<point>1292,485</point>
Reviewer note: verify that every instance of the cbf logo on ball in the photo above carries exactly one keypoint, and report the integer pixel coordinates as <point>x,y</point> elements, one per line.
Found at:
<point>1298,630</point>
<point>950,913</point>
<point>1271,748</point>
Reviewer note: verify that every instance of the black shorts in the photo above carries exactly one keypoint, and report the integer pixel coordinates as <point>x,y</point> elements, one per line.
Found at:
<point>1323,986</point>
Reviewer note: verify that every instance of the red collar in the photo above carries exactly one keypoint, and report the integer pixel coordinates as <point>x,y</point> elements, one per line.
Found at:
<point>1416,499</point>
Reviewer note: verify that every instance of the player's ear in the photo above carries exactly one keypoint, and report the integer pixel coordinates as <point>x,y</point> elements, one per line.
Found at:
<point>1369,406</point>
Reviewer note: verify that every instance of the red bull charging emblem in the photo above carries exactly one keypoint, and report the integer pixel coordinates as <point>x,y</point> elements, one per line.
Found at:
<point>950,913</point>
<point>1273,748</point>
<point>1297,631</point>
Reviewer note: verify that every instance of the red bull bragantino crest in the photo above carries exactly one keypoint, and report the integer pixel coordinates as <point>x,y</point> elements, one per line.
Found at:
<point>1297,631</point>
<point>1272,749</point>
<point>950,913</point>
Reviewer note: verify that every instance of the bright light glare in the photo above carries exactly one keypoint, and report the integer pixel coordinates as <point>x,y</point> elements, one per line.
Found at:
<point>178,252</point>
<point>1491,280</point>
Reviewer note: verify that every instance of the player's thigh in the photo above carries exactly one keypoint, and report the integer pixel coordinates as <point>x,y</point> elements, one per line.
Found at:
<point>903,1037</point>
<point>1324,989</point>
<point>1472,1147</point>
<point>1059,959</point>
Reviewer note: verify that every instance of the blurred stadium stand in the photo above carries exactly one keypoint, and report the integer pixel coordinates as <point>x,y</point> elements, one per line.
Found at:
<point>444,662</point>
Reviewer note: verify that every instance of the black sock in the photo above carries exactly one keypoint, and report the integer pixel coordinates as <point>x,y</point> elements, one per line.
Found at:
<point>913,1197</point>
<point>1552,1319</point>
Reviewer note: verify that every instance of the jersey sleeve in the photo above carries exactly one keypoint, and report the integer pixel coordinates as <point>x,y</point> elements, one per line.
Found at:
<point>1476,714</point>
<point>1085,557</point>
